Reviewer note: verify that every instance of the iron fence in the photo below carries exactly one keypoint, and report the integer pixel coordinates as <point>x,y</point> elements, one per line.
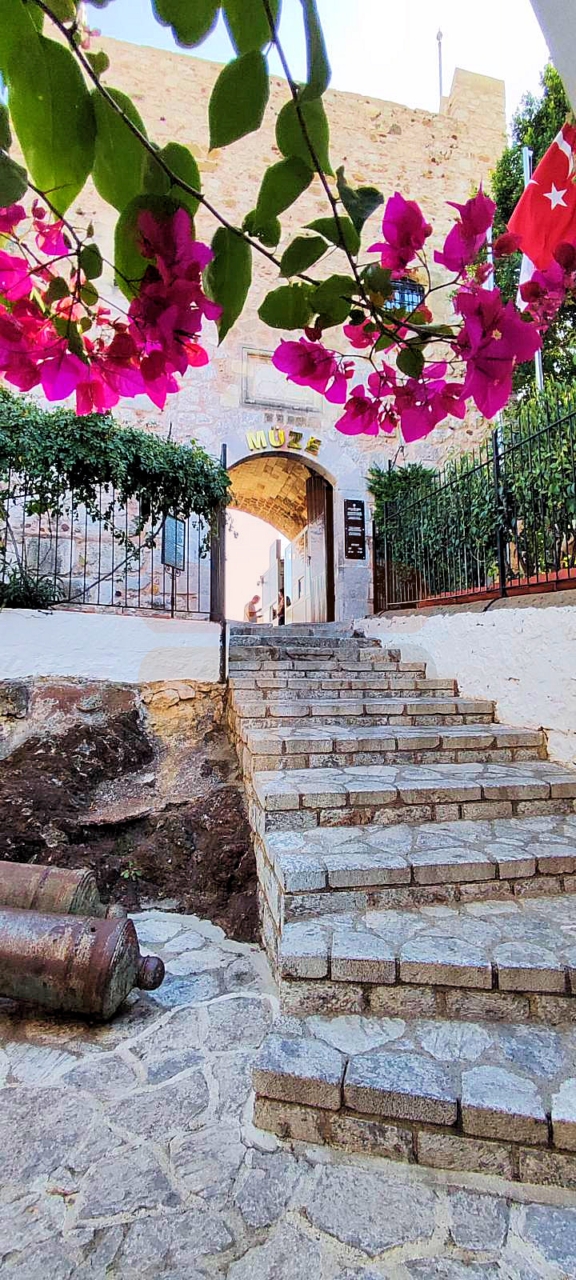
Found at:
<point>113,560</point>
<point>501,521</point>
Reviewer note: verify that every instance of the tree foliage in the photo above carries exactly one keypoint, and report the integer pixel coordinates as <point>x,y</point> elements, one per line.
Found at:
<point>59,454</point>
<point>534,125</point>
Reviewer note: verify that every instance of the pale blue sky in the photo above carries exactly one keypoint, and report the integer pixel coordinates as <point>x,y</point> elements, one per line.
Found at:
<point>384,48</point>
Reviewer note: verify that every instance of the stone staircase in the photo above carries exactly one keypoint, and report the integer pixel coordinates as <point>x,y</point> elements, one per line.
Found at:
<point>417,872</point>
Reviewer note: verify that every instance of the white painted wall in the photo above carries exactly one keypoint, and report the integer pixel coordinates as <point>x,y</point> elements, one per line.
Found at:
<point>558,22</point>
<point>106,646</point>
<point>522,653</point>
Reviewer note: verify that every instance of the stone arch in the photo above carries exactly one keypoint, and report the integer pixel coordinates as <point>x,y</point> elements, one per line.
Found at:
<point>272,485</point>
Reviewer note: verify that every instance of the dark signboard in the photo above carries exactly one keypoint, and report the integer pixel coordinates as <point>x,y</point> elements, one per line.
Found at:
<point>354,530</point>
<point>174,543</point>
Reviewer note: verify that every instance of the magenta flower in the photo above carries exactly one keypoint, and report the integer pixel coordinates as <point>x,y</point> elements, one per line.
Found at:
<point>15,279</point>
<point>10,217</point>
<point>464,242</point>
<point>405,231</point>
<point>358,336</point>
<point>309,364</point>
<point>506,244</point>
<point>492,341</point>
<point>50,239</point>
<point>61,373</point>
<point>424,402</point>
<point>360,416</point>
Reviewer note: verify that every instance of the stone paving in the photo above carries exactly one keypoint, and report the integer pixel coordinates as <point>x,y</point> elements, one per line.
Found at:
<point>129,1150</point>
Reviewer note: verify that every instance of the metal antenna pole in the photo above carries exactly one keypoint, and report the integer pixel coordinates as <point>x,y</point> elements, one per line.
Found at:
<point>439,38</point>
<point>527,166</point>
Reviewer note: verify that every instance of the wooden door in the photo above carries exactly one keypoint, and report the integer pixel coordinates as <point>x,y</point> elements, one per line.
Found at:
<point>320,549</point>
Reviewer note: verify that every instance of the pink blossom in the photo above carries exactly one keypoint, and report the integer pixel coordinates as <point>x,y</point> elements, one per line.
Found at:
<point>15,279</point>
<point>10,217</point>
<point>405,231</point>
<point>424,402</point>
<point>171,243</point>
<point>464,242</point>
<point>492,341</point>
<point>358,336</point>
<point>50,239</point>
<point>309,364</point>
<point>61,373</point>
<point>545,293</point>
<point>360,416</point>
<point>506,244</point>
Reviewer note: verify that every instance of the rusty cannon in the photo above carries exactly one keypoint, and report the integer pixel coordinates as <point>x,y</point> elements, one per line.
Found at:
<point>53,889</point>
<point>72,964</point>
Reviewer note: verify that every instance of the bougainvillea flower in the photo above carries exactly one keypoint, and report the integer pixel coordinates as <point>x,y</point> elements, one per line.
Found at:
<point>545,293</point>
<point>171,243</point>
<point>50,239</point>
<point>493,339</point>
<point>61,373</point>
<point>360,416</point>
<point>10,217</point>
<point>425,401</point>
<point>506,244</point>
<point>15,279</point>
<point>309,364</point>
<point>357,335</point>
<point>464,242</point>
<point>405,231</point>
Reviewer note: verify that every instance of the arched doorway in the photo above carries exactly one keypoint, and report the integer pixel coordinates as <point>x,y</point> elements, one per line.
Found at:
<point>295,498</point>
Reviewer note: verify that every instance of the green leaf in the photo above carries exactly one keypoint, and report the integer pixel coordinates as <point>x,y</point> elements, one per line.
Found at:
<point>281,185</point>
<point>50,109</point>
<point>182,163</point>
<point>248,24</point>
<point>332,298</point>
<point>328,227</point>
<point>56,289</point>
<point>268,233</point>
<point>99,61</point>
<point>13,181</point>
<point>119,157</point>
<point>89,294</point>
<point>289,307</point>
<point>191,20</point>
<point>63,10</point>
<point>301,254</point>
<point>238,100</point>
<point>410,361</point>
<point>5,135</point>
<point>228,276</point>
<point>290,136</point>
<point>91,261</point>
<point>378,280</point>
<point>129,261</point>
<point>318,67</point>
<point>361,202</point>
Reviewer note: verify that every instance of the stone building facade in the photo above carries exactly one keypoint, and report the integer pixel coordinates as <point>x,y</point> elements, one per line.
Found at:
<point>279,437</point>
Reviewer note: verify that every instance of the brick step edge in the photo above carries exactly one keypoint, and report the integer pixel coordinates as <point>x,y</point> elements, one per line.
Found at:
<point>430,1147</point>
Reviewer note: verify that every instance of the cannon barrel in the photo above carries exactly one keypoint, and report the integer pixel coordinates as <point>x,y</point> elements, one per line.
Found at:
<point>75,964</point>
<point>35,888</point>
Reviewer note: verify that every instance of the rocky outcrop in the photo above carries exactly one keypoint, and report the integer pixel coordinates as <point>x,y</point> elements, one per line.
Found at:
<point>139,784</point>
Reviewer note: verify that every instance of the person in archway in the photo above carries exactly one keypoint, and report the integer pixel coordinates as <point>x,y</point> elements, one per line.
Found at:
<point>251,609</point>
<point>281,609</point>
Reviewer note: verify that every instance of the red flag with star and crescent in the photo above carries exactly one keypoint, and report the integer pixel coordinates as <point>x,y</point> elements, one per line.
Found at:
<point>545,215</point>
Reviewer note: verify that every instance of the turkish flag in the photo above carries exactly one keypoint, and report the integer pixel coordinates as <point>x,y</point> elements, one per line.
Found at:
<point>545,215</point>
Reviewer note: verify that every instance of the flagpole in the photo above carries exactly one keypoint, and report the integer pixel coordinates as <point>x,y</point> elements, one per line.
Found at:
<point>527,160</point>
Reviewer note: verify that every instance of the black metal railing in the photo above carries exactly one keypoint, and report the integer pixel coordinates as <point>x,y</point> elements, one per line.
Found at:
<point>70,558</point>
<point>501,521</point>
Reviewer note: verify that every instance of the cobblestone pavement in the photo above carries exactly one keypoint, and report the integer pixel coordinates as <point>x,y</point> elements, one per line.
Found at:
<point>129,1151</point>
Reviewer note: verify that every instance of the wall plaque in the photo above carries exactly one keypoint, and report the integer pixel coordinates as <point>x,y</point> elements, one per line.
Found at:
<point>174,543</point>
<point>354,529</point>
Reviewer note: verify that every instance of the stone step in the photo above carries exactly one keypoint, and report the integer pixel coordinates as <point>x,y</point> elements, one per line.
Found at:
<point>278,642</point>
<point>316,665</point>
<point>321,746</point>
<point>258,713</point>
<point>335,869</point>
<point>327,682</point>
<point>300,799</point>
<point>349,685</point>
<point>513,960</point>
<point>294,630</point>
<point>467,1096</point>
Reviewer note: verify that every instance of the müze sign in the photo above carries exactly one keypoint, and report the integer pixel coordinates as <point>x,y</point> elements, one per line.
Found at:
<point>278,438</point>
